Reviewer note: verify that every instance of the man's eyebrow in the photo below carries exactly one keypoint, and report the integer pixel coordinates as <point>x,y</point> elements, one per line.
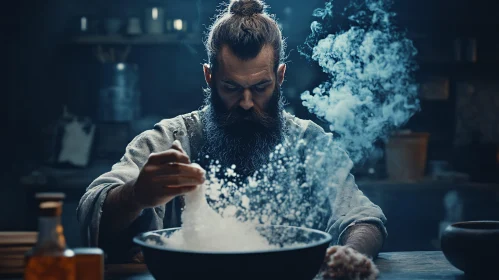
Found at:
<point>262,82</point>
<point>230,82</point>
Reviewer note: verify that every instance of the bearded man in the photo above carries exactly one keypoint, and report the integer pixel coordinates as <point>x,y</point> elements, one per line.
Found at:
<point>241,123</point>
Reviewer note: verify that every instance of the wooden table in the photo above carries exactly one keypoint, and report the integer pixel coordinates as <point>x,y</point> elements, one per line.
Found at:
<point>416,265</point>
<point>393,266</point>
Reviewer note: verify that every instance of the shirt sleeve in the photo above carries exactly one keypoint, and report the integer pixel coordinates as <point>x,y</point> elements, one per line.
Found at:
<point>89,211</point>
<point>348,205</point>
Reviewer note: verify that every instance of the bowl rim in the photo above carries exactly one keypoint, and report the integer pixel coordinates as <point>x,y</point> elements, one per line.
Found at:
<point>327,239</point>
<point>458,226</point>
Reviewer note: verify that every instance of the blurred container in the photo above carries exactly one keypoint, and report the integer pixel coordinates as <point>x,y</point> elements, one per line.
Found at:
<point>154,20</point>
<point>50,258</point>
<point>83,25</point>
<point>134,27</point>
<point>406,156</point>
<point>465,49</point>
<point>435,88</point>
<point>89,263</point>
<point>470,50</point>
<point>113,25</point>
<point>458,49</point>
<point>119,94</point>
<point>177,25</point>
<point>436,167</point>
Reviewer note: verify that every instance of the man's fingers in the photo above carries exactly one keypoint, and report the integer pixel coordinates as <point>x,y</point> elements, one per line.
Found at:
<point>175,169</point>
<point>178,180</point>
<point>168,157</point>
<point>178,147</point>
<point>331,250</point>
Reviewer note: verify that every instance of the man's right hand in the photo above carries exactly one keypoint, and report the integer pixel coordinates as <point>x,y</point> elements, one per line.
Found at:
<point>165,175</point>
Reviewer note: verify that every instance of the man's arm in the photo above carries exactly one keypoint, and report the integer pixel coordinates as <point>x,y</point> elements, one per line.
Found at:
<point>120,210</point>
<point>365,238</point>
<point>164,175</point>
<point>94,223</point>
<point>354,221</point>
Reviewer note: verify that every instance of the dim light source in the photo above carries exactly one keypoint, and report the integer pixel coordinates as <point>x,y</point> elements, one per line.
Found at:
<point>155,13</point>
<point>83,24</point>
<point>177,24</point>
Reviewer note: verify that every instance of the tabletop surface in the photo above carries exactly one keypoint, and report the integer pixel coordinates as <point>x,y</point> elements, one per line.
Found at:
<point>418,265</point>
<point>392,266</point>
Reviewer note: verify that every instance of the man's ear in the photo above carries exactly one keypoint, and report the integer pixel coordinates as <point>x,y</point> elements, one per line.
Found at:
<point>207,74</point>
<point>281,71</point>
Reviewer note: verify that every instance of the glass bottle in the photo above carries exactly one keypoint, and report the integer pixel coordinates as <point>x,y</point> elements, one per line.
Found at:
<point>49,258</point>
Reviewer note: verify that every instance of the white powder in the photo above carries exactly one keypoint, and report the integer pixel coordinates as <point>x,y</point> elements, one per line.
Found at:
<point>223,214</point>
<point>203,229</point>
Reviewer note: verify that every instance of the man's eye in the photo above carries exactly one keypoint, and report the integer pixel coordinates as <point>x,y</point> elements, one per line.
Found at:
<point>231,88</point>
<point>260,88</point>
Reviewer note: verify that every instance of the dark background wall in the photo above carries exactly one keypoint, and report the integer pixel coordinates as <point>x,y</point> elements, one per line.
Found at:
<point>53,72</point>
<point>47,70</point>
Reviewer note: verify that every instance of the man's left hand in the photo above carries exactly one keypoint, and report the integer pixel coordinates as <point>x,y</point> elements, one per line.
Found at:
<point>343,262</point>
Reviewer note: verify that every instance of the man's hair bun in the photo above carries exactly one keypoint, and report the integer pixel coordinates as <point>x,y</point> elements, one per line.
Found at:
<point>246,7</point>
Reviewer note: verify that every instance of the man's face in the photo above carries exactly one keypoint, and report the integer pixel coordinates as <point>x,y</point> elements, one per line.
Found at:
<point>245,93</point>
<point>248,84</point>
<point>244,121</point>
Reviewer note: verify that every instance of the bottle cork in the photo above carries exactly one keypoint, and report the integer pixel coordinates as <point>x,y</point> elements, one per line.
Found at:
<point>50,209</point>
<point>50,196</point>
<point>50,203</point>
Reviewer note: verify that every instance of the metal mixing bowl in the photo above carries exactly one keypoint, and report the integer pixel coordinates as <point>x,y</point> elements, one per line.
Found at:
<point>287,262</point>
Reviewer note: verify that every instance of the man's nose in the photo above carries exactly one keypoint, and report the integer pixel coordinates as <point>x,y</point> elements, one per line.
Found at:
<point>247,101</point>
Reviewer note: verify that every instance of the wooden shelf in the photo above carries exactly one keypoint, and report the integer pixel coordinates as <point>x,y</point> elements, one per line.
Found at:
<point>145,39</point>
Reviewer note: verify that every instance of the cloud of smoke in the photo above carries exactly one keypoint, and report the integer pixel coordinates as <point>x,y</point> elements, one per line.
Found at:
<point>370,89</point>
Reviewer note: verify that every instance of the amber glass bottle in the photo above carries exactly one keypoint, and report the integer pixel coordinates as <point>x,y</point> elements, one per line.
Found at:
<point>49,258</point>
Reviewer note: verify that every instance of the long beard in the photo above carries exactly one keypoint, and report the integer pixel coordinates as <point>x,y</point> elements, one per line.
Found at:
<point>239,137</point>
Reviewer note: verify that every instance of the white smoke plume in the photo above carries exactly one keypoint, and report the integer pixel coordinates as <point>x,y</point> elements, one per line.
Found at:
<point>370,89</point>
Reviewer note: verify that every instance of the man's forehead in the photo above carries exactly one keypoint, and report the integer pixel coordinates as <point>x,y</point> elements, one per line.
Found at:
<point>234,68</point>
